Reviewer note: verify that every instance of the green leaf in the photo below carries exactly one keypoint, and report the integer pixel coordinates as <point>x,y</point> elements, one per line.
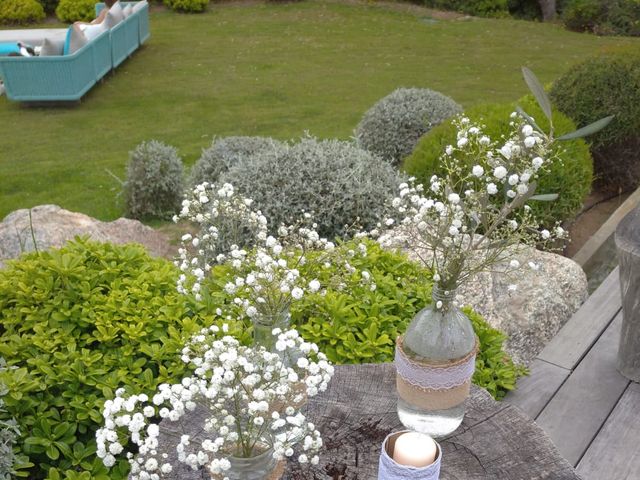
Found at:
<point>589,129</point>
<point>546,197</point>
<point>52,452</point>
<point>538,92</point>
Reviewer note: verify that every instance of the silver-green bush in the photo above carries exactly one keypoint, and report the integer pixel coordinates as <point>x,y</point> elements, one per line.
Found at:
<point>393,126</point>
<point>154,183</point>
<point>9,433</point>
<point>337,182</point>
<point>223,154</point>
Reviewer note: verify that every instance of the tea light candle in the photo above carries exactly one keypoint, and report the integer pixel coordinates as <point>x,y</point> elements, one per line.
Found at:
<point>415,449</point>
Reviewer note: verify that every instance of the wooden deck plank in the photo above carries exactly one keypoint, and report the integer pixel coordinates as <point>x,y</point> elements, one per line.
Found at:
<point>614,453</point>
<point>578,410</point>
<point>571,343</point>
<point>534,391</point>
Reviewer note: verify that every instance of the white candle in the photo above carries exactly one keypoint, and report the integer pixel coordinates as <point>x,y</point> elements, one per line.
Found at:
<point>415,449</point>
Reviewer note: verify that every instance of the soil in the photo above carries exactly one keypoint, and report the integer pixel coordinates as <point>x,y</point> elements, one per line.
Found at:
<point>598,207</point>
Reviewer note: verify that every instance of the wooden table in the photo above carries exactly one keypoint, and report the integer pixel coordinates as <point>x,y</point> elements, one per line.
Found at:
<point>496,441</point>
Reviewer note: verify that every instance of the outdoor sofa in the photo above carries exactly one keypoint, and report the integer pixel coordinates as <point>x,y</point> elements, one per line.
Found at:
<point>68,77</point>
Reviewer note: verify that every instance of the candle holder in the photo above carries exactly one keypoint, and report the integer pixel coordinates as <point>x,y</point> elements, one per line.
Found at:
<point>389,469</point>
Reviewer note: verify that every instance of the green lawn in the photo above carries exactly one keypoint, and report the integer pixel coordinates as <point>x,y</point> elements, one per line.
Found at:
<point>273,69</point>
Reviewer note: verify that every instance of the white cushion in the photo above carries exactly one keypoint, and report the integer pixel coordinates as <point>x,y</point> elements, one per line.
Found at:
<point>128,10</point>
<point>110,20</point>
<point>139,6</point>
<point>77,40</point>
<point>51,48</point>
<point>116,10</point>
<point>92,31</point>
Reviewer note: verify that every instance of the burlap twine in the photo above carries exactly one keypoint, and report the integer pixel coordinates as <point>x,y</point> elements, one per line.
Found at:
<point>434,399</point>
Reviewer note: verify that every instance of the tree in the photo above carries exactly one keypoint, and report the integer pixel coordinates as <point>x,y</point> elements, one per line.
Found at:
<point>548,9</point>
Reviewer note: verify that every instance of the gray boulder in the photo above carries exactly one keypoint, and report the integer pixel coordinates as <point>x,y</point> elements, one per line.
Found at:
<point>54,226</point>
<point>544,299</point>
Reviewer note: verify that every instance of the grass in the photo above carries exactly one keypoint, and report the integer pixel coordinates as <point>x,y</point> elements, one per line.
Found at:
<point>263,69</point>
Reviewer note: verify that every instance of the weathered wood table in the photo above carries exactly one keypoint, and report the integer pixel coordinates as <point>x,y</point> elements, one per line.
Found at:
<point>495,441</point>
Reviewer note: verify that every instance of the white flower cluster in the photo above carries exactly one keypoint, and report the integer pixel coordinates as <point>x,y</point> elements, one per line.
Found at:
<point>266,276</point>
<point>465,218</point>
<point>252,396</point>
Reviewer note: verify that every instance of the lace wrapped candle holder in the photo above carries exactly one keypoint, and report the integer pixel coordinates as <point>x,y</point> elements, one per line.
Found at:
<point>433,386</point>
<point>389,469</point>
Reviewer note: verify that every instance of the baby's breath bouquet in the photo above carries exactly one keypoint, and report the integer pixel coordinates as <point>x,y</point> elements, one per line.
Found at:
<point>243,405</point>
<point>264,277</point>
<point>474,218</point>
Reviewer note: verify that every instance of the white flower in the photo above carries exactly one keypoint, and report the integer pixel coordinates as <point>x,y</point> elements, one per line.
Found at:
<point>514,263</point>
<point>536,163</point>
<point>492,189</point>
<point>500,172</point>
<point>529,142</point>
<point>454,198</point>
<point>513,179</point>
<point>462,142</point>
<point>314,285</point>
<point>477,170</point>
<point>297,293</point>
<point>527,130</point>
<point>545,234</point>
<point>448,150</point>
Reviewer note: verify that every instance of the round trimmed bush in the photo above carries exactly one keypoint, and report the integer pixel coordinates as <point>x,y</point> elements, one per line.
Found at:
<point>76,10</point>
<point>187,6</point>
<point>78,323</point>
<point>479,8</point>
<point>224,153</point>
<point>154,184</point>
<point>607,84</point>
<point>20,11</point>
<point>393,126</point>
<point>336,181</point>
<point>570,178</point>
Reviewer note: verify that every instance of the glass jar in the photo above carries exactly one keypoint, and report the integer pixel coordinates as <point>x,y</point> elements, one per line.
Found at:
<point>258,467</point>
<point>263,326</point>
<point>442,337</point>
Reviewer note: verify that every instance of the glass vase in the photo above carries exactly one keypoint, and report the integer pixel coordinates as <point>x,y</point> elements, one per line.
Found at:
<point>435,360</point>
<point>259,467</point>
<point>263,326</point>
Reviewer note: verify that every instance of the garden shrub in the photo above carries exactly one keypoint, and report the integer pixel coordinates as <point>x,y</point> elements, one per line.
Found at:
<point>393,126</point>
<point>187,6</point>
<point>339,183</point>
<point>224,153</point>
<point>20,11</point>
<point>49,5</point>
<point>359,325</point>
<point>603,17</point>
<point>76,10</point>
<point>570,178</point>
<point>154,184</point>
<point>9,433</point>
<point>479,8</point>
<point>78,323</point>
<point>607,84</point>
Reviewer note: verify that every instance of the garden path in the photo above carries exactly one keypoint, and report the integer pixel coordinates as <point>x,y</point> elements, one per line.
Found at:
<point>577,396</point>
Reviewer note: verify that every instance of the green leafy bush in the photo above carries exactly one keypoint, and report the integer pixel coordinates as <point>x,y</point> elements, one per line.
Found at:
<point>154,183</point>
<point>77,323</point>
<point>570,178</point>
<point>338,182</point>
<point>603,17</point>
<point>607,84</point>
<point>20,11</point>
<point>224,153</point>
<point>359,325</point>
<point>480,8</point>
<point>70,11</point>
<point>187,6</point>
<point>393,126</point>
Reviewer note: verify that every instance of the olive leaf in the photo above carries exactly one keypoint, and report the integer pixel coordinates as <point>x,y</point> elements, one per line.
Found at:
<point>538,92</point>
<point>589,129</point>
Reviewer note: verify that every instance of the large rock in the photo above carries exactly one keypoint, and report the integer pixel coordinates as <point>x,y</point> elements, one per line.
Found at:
<point>544,299</point>
<point>54,226</point>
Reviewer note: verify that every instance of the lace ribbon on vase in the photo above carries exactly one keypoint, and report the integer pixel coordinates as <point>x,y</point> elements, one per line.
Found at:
<point>388,469</point>
<point>434,376</point>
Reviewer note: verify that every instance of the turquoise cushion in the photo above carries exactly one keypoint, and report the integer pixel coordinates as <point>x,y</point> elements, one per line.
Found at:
<point>67,42</point>
<point>7,49</point>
